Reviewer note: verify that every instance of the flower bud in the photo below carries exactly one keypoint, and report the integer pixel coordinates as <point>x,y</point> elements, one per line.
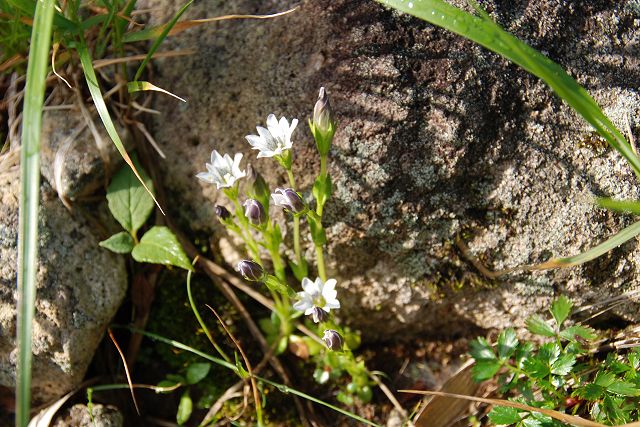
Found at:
<point>222,213</point>
<point>257,188</point>
<point>322,114</point>
<point>332,339</point>
<point>252,271</point>
<point>254,211</point>
<point>289,199</point>
<point>322,125</point>
<point>319,315</point>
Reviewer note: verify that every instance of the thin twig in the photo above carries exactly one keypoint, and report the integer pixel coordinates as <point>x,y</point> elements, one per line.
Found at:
<point>254,386</point>
<point>126,369</point>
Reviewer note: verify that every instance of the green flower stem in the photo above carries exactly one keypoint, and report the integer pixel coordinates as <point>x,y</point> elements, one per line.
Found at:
<point>323,174</point>
<point>244,225</point>
<point>201,322</point>
<point>273,246</point>
<point>296,225</point>
<point>320,258</point>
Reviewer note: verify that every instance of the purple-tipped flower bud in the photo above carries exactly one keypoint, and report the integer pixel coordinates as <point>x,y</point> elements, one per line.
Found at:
<point>322,125</point>
<point>222,213</point>
<point>322,114</point>
<point>332,339</point>
<point>289,199</point>
<point>252,271</point>
<point>319,315</point>
<point>254,211</point>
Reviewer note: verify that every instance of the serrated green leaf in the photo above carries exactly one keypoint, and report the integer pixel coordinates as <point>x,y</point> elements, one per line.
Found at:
<point>481,350</point>
<point>185,407</point>
<point>120,243</point>
<point>196,372</point>
<point>560,309</point>
<point>503,415</point>
<point>590,392</point>
<point>129,202</point>
<point>537,325</point>
<point>485,369</point>
<point>562,366</point>
<point>507,342</point>
<point>536,368</point>
<point>604,379</point>
<point>623,388</point>
<point>574,331</point>
<point>160,246</point>
<point>549,352</point>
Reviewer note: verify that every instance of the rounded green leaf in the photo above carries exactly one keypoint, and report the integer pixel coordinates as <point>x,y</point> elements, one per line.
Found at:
<point>129,202</point>
<point>197,371</point>
<point>160,246</point>
<point>184,408</point>
<point>120,243</point>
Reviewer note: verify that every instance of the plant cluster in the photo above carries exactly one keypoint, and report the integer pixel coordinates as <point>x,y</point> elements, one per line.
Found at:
<point>561,374</point>
<point>251,218</point>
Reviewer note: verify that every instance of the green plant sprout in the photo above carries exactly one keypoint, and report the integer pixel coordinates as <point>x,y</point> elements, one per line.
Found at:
<point>252,221</point>
<point>131,206</point>
<point>561,374</point>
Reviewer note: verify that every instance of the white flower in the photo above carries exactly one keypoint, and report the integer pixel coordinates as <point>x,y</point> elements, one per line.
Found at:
<point>274,140</point>
<point>317,294</point>
<point>222,171</point>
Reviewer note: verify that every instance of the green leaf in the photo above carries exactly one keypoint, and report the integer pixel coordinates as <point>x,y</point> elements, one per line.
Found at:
<point>537,325</point>
<point>623,388</point>
<point>604,379</point>
<point>503,415</point>
<point>590,392</point>
<point>562,366</point>
<point>626,206</point>
<point>549,352</point>
<point>196,372</point>
<point>158,41</point>
<point>160,246</point>
<point>37,68</point>
<point>482,350</point>
<point>560,309</point>
<point>507,342</point>
<point>572,332</point>
<point>120,243</point>
<point>322,189</point>
<point>129,202</point>
<point>485,369</point>
<point>166,384</point>
<point>103,112</point>
<point>536,368</point>
<point>184,408</point>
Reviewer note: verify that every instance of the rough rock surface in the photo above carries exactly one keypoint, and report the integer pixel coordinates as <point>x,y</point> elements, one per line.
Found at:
<point>436,136</point>
<point>78,416</point>
<point>75,160</point>
<point>80,287</point>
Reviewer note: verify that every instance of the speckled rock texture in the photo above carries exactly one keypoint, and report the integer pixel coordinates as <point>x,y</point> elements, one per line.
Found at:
<point>79,288</point>
<point>436,137</point>
<point>79,415</point>
<point>77,154</point>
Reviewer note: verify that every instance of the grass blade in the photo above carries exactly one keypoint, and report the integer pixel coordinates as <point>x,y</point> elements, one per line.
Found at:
<point>101,107</point>
<point>158,41</point>
<point>628,206</point>
<point>621,237</point>
<point>283,388</point>
<point>139,86</point>
<point>488,34</point>
<point>29,200</point>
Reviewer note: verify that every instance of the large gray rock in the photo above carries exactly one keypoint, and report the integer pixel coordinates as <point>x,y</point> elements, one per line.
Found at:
<point>77,160</point>
<point>79,288</point>
<point>436,136</point>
